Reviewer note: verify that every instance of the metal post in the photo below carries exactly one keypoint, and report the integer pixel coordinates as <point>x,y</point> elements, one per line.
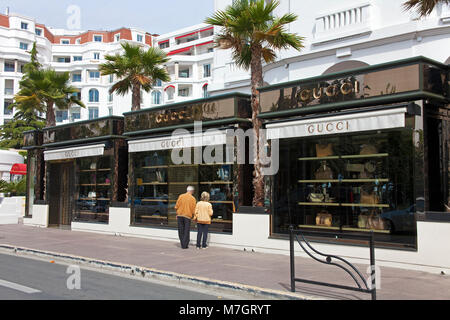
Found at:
<point>291,251</point>
<point>372,266</point>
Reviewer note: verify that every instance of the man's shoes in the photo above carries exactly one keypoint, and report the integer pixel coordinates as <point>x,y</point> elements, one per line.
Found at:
<point>205,247</point>
<point>198,248</point>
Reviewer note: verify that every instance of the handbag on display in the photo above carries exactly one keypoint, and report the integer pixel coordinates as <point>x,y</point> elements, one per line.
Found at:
<point>369,198</point>
<point>324,218</point>
<point>376,222</point>
<point>316,197</point>
<point>324,172</point>
<point>362,221</point>
<point>368,149</point>
<point>324,150</point>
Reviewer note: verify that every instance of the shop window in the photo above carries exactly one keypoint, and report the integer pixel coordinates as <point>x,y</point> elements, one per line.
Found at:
<point>351,183</point>
<point>93,113</point>
<point>94,189</point>
<point>158,182</point>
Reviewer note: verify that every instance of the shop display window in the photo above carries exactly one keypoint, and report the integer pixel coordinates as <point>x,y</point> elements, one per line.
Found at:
<point>157,183</point>
<point>354,183</point>
<point>94,189</point>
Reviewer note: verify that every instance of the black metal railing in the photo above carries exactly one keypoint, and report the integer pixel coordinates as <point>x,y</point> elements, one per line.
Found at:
<point>362,284</point>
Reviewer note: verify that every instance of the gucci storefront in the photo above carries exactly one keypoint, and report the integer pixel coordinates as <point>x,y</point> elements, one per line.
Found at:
<point>362,150</point>
<point>169,152</point>
<point>78,171</point>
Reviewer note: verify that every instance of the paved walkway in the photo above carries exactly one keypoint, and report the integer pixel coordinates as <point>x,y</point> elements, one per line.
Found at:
<point>255,269</point>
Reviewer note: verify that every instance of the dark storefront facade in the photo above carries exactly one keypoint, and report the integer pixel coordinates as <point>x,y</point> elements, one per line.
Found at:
<point>156,180</point>
<point>362,150</point>
<point>84,167</point>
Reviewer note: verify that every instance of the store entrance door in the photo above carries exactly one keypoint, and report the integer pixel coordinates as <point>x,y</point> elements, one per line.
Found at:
<point>60,194</point>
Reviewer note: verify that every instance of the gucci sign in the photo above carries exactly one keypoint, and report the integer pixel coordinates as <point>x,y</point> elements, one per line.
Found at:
<point>328,127</point>
<point>172,144</point>
<point>70,154</point>
<point>345,88</point>
<point>191,113</point>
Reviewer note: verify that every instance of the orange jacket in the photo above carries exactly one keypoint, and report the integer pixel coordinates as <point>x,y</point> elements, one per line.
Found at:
<point>185,205</point>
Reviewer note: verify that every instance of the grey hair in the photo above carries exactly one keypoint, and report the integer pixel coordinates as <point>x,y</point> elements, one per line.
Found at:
<point>190,188</point>
<point>204,196</point>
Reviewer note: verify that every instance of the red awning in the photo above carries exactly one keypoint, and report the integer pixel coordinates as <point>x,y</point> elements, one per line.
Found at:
<point>205,85</point>
<point>186,35</point>
<point>179,51</point>
<point>202,44</point>
<point>170,86</point>
<point>210,28</point>
<point>163,41</point>
<point>19,168</point>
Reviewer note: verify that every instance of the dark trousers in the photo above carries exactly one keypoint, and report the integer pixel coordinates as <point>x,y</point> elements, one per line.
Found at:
<point>184,228</point>
<point>202,232</point>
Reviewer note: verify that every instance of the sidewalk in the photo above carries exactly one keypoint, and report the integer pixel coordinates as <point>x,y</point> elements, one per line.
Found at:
<point>269,271</point>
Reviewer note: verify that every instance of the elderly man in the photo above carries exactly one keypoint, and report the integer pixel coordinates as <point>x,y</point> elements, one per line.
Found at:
<point>185,207</point>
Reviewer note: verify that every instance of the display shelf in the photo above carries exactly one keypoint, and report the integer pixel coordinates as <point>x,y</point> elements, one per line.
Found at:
<point>331,204</point>
<point>93,213</point>
<point>94,199</point>
<point>364,230</point>
<point>318,227</point>
<point>344,181</point>
<point>365,205</point>
<point>221,221</point>
<point>155,167</point>
<point>334,204</point>
<point>217,182</point>
<point>96,170</point>
<point>94,184</point>
<point>152,183</point>
<point>154,200</point>
<point>187,182</point>
<point>353,156</point>
<point>153,217</point>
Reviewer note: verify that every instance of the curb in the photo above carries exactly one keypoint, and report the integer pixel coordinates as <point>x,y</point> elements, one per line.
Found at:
<point>151,273</point>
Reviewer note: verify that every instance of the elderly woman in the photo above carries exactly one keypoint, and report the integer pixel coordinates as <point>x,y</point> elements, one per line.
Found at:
<point>203,214</point>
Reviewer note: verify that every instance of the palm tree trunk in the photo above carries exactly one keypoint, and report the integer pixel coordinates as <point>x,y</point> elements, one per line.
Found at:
<point>50,115</point>
<point>257,81</point>
<point>136,98</point>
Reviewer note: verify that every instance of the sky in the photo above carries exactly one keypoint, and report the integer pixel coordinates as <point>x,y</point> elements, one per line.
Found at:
<point>153,16</point>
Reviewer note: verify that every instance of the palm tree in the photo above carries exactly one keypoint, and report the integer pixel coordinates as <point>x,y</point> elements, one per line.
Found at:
<point>136,69</point>
<point>253,33</point>
<point>42,90</point>
<point>424,7</point>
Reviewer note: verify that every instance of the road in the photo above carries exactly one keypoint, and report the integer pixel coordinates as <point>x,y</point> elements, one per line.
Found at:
<point>29,279</point>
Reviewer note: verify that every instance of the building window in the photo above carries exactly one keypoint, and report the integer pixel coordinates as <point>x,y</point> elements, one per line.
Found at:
<point>24,26</point>
<point>93,113</point>
<point>76,77</point>
<point>23,46</point>
<point>117,37</point>
<point>75,114</point>
<point>158,83</point>
<point>6,110</point>
<point>93,95</point>
<point>9,87</point>
<point>111,78</point>
<point>210,50</point>
<point>205,91</point>
<point>78,41</point>
<point>94,74</point>
<point>110,97</point>
<point>77,58</point>
<point>206,70</point>
<point>98,38</point>
<point>9,66</point>
<point>184,73</point>
<point>184,92</point>
<point>65,41</point>
<point>156,97</point>
<point>77,95</point>
<point>110,111</point>
<point>62,115</point>
<point>63,59</point>
<point>140,38</point>
<point>38,32</point>
<point>164,45</point>
<point>96,56</point>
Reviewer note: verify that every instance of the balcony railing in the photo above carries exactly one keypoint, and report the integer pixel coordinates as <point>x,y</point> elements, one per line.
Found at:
<point>351,21</point>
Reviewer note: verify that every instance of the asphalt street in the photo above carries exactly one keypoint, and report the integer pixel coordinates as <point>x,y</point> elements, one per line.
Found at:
<point>29,279</point>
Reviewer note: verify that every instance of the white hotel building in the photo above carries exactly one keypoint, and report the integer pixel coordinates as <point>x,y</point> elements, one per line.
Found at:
<point>81,53</point>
